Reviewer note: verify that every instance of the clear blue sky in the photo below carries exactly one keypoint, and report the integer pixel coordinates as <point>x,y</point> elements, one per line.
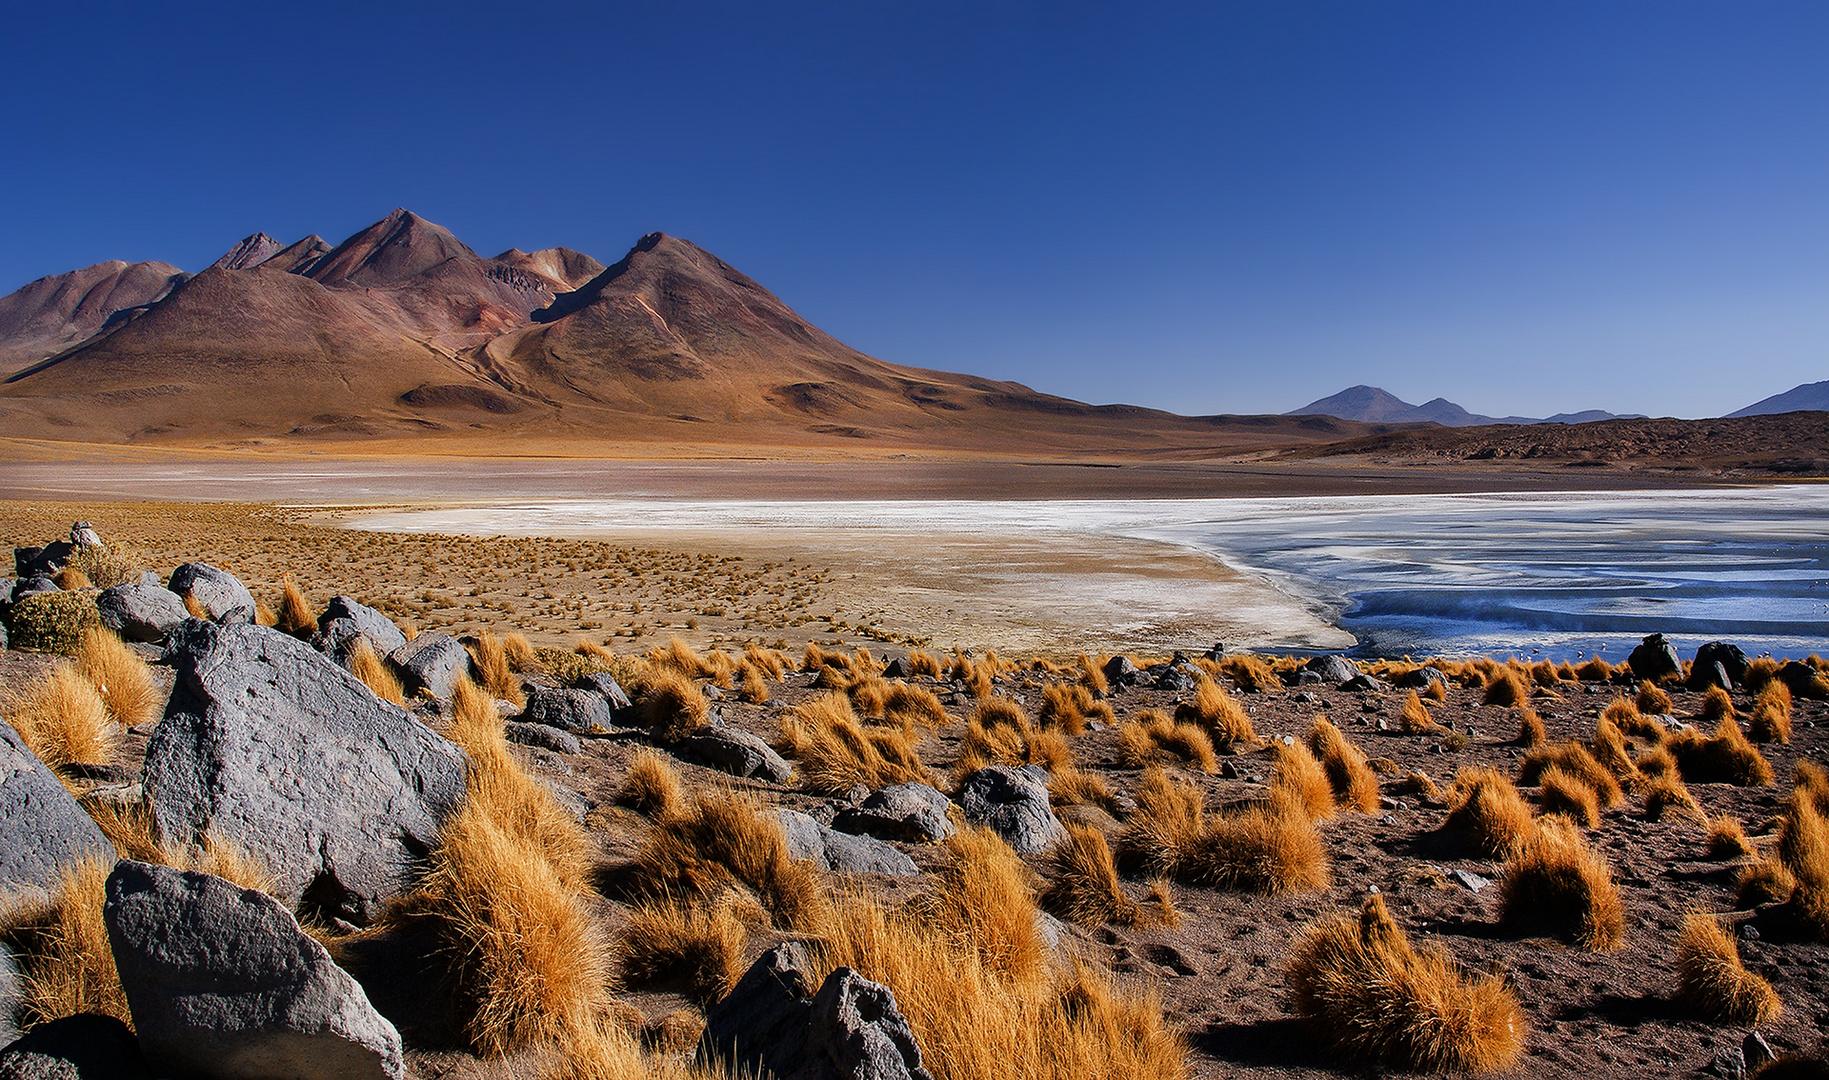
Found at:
<point>1525,207</point>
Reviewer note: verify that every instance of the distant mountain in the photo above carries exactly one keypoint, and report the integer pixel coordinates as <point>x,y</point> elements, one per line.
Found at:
<point>1812,396</point>
<point>1369,404</point>
<point>58,311</point>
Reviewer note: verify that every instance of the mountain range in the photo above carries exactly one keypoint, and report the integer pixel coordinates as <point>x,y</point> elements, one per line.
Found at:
<point>1370,404</point>
<point>1814,396</point>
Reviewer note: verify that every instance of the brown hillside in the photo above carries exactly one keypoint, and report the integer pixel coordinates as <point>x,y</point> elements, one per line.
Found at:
<point>58,311</point>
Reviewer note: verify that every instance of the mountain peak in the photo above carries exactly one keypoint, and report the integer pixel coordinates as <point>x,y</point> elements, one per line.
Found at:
<point>399,246</point>
<point>1369,404</point>
<point>249,253</point>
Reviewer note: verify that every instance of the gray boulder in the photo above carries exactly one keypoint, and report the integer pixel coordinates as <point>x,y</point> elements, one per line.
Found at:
<point>1420,679</point>
<point>432,662</point>
<point>1363,683</point>
<point>140,612</point>
<point>1120,671</point>
<point>1703,676</point>
<point>1731,658</point>
<point>32,586</point>
<point>579,711</point>
<point>41,826</point>
<point>763,1021</point>
<point>1653,659</point>
<point>344,620</point>
<point>1014,805</point>
<point>839,852</point>
<point>546,738</point>
<point>603,683</point>
<point>857,1032</point>
<point>1333,670</point>
<point>276,748</point>
<point>86,1046</point>
<point>12,997</point>
<point>736,752</point>
<point>223,983</point>
<point>913,813</point>
<point>217,590</point>
<point>42,561</point>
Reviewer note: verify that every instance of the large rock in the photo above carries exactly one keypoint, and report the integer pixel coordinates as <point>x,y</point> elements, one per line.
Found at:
<point>1333,670</point>
<point>1653,659</point>
<point>265,741</point>
<point>223,983</point>
<point>763,1021</point>
<point>42,561</point>
<point>12,998</point>
<point>41,826</point>
<point>736,752</point>
<point>857,1032</point>
<point>839,852</point>
<point>579,711</point>
<point>1014,805</point>
<point>33,586</point>
<point>1730,657</point>
<point>913,813</point>
<point>344,620</point>
<point>546,738</point>
<point>217,590</point>
<point>86,1046</point>
<point>432,662</point>
<point>605,684</point>
<point>1120,671</point>
<point>140,612</point>
<point>1421,678</point>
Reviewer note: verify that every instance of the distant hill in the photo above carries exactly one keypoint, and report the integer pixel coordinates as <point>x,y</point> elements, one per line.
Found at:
<point>1369,404</point>
<point>1812,396</point>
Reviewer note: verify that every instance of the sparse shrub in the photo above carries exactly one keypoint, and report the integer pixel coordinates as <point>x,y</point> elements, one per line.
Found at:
<point>1505,689</point>
<point>1656,762</point>
<point>122,679</point>
<point>1558,885</point>
<point>1371,997</point>
<point>1759,673</point>
<point>696,945</point>
<point>1711,981</point>
<point>1530,727</point>
<point>1083,884</point>
<point>1726,758</point>
<point>1303,780</point>
<point>1414,717</point>
<point>61,718</point>
<point>1355,785</point>
<point>1727,840</point>
<point>1569,796</point>
<point>1803,848</point>
<point>374,673</point>
<point>1574,759</point>
<point>51,622</point>
<point>519,653</point>
<point>1652,699</point>
<point>1772,714</point>
<point>652,786</point>
<point>837,751</point>
<point>1213,709</point>
<point>103,568</point>
<point>868,693</point>
<point>1487,810</point>
<point>766,661</point>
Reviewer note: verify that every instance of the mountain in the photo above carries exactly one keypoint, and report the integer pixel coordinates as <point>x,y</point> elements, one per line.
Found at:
<point>1372,405</point>
<point>1813,396</point>
<point>403,333</point>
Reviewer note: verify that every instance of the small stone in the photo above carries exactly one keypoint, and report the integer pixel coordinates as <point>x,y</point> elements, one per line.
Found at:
<point>1756,1050</point>
<point>1473,881</point>
<point>1749,932</point>
<point>1729,1063</point>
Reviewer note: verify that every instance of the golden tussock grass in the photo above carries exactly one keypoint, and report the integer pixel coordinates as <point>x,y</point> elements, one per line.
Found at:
<point>1761,882</point>
<point>1609,748</point>
<point>1506,689</point>
<point>1355,785</point>
<point>120,677</point>
<point>264,616</point>
<point>1717,705</point>
<point>1667,792</point>
<point>71,579</point>
<point>1249,673</point>
<point>1487,810</point>
<point>869,694</point>
<point>1727,840</point>
<point>1545,673</point>
<point>1414,717</point>
<point>1656,762</point>
<point>1436,692</point>
<point>296,615</point>
<point>1574,759</point>
<point>1069,786</point>
<point>1150,737</point>
<point>1530,727</point>
<point>752,686</point>
<point>1569,796</point>
<point>1270,848</point>
<point>670,705</point>
<point>723,838</point>
<point>1168,819</point>
<point>698,946</point>
<point>63,949</point>
<point>195,609</point>
<point>1712,983</point>
<point>1092,675</point>
<point>1803,849</point>
<point>1759,673</point>
<point>1772,714</point>
<point>1594,669</point>
<point>1559,885</point>
<point>1419,783</point>
<point>489,656</point>
<point>374,673</point>
<point>1215,710</point>
<point>1083,885</point>
<point>519,652</point>
<point>835,749</point>
<point>913,705</point>
<point>1372,997</point>
<point>652,786</point>
<point>1302,779</point>
<point>63,719</point>
<point>1652,699</point>
<point>769,662</point>
<point>1725,758</point>
<point>924,663</point>
<point>1064,707</point>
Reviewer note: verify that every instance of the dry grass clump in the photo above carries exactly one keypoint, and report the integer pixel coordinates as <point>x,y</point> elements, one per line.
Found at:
<point>63,719</point>
<point>519,653</point>
<point>754,688</point>
<point>1726,758</point>
<point>1371,997</point>
<point>720,839</point>
<point>1569,796</point>
<point>670,705</point>
<point>1530,727</point>
<point>1574,759</point>
<point>1505,689</point>
<point>698,946</point>
<point>652,786</point>
<point>924,663</point>
<point>1711,981</point>
<point>1652,699</point>
<point>1303,781</point>
<point>1558,884</point>
<point>1436,691</point>
<point>1269,848</point>
<point>836,750</point>
<point>1759,673</point>
<point>1764,881</point>
<point>1803,849</point>
<point>70,579</point>
<point>1213,709</point>
<point>1594,669</point>
<point>1150,737</point>
<point>1415,718</point>
<point>1092,675</point>
<point>1772,714</point>
<point>374,673</point>
<point>679,657</point>
<point>1249,673</point>
<point>104,567</point>
<point>1484,807</point>
<point>1355,785</point>
<point>869,694</point>
<point>1064,707</point>
<point>296,615</point>
<point>1609,748</point>
<point>120,676</point>
<point>999,732</point>
<point>1667,792</point>
<point>489,656</point>
<point>1160,833</point>
<point>1083,884</point>
<point>64,951</point>
<point>1069,786</point>
<point>913,705</point>
<point>1718,705</point>
<point>1727,840</point>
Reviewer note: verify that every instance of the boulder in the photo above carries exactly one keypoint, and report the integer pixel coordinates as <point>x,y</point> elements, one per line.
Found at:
<point>547,738</point>
<point>83,535</point>
<point>1702,676</point>
<point>86,1046</point>
<point>1013,804</point>
<point>222,983</point>
<point>217,590</point>
<point>857,1032</point>
<point>579,711</point>
<point>1421,678</point>
<point>1333,670</point>
<point>896,668</point>
<point>344,620</point>
<point>1363,683</point>
<point>1801,679</point>
<point>762,1022</point>
<point>1120,671</point>
<point>913,813</point>
<point>839,852</point>
<point>274,747</point>
<point>42,828</point>
<point>42,561</point>
<point>736,752</point>
<point>32,586</point>
<point>140,612</point>
<point>602,682</point>
<point>432,662</point>
<point>12,998</point>
<point>1654,658</point>
<point>1730,657</point>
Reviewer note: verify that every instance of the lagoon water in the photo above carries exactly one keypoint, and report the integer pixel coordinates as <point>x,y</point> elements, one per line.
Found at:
<point>1557,575</point>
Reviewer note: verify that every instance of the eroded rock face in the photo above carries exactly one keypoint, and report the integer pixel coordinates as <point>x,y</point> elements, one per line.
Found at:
<point>432,662</point>
<point>276,748</point>
<point>1014,805</point>
<point>141,612</point>
<point>738,753</point>
<point>41,826</point>
<point>578,711</point>
<point>839,852</point>
<point>223,983</point>
<point>344,620</point>
<point>217,590</point>
<point>913,813</point>
<point>1654,658</point>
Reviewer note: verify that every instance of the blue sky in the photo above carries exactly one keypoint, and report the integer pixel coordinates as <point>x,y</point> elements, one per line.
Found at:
<point>1525,207</point>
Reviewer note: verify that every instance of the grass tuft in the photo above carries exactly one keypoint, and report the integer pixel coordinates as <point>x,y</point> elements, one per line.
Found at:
<point>1726,758</point>
<point>1570,796</point>
<point>697,946</point>
<point>122,679</point>
<point>1557,884</point>
<point>1574,759</point>
<point>670,704</point>
<point>374,673</point>
<point>1727,840</point>
<point>1083,884</point>
<point>63,719</point>
<point>1355,785</point>
<point>1223,718</point>
<point>1711,981</point>
<point>1415,718</point>
<point>1303,781</point>
<point>836,750</point>
<point>652,786</point>
<point>1487,810</point>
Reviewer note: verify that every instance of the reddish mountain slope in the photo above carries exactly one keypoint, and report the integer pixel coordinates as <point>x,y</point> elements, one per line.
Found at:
<point>56,312</point>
